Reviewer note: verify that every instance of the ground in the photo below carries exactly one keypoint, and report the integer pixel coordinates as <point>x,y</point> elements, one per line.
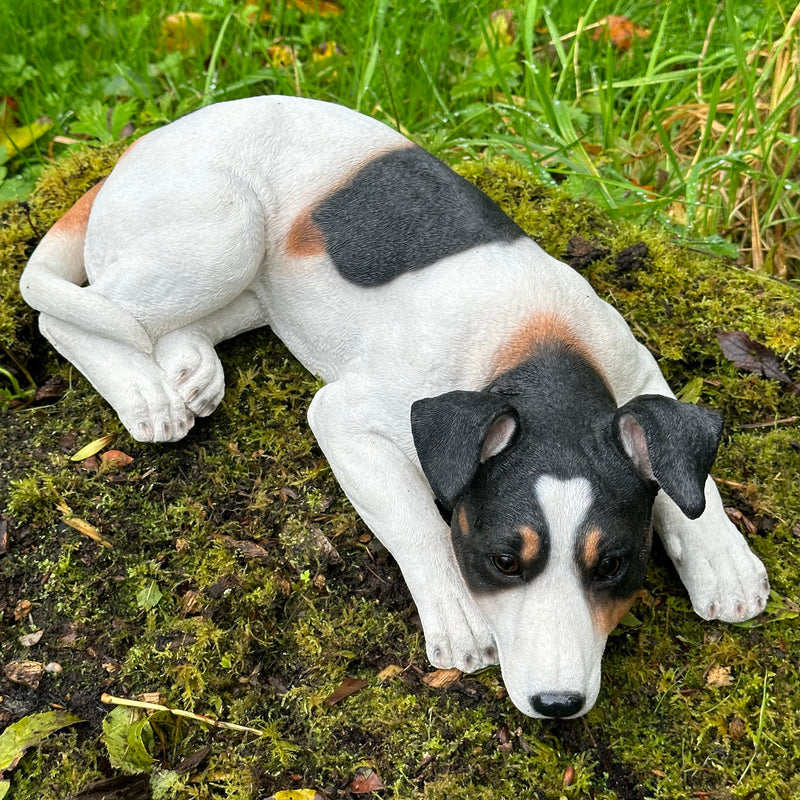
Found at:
<point>226,575</point>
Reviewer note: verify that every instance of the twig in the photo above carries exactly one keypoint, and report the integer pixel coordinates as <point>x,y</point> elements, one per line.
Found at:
<point>784,421</point>
<point>178,712</point>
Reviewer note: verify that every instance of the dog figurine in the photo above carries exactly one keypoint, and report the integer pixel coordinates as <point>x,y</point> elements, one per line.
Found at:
<point>494,422</point>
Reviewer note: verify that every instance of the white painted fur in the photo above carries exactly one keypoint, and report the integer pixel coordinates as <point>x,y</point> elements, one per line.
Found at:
<point>185,248</point>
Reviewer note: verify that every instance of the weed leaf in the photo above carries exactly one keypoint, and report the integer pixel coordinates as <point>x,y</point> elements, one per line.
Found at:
<point>30,731</point>
<point>751,356</point>
<point>128,737</point>
<point>148,597</point>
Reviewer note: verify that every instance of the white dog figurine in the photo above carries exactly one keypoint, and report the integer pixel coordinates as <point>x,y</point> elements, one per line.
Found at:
<point>493,421</point>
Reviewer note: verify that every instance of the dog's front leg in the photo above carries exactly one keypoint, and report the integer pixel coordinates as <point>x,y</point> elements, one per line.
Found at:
<point>724,578</point>
<point>357,430</point>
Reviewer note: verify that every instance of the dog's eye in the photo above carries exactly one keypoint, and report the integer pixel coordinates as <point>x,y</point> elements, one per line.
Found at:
<point>609,568</point>
<point>506,564</point>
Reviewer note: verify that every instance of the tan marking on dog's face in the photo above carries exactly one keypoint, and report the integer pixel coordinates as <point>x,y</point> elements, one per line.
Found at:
<point>591,548</point>
<point>606,614</point>
<point>539,330</point>
<point>462,521</point>
<point>305,238</point>
<point>530,543</point>
<point>76,219</point>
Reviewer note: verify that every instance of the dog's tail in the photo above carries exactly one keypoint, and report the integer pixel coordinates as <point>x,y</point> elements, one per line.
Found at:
<point>51,282</point>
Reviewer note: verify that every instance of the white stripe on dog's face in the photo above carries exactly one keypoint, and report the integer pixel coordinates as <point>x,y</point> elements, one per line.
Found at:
<point>547,643</point>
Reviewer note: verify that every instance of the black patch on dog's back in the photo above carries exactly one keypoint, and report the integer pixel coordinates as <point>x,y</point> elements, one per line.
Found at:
<point>404,211</point>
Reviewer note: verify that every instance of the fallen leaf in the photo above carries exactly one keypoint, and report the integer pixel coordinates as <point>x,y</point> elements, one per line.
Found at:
<point>620,31</point>
<point>30,639</point>
<point>28,673</point>
<point>148,597</point>
<point>81,525</point>
<point>244,546</point>
<point>319,8</point>
<point>28,732</point>
<point>93,447</point>
<point>752,357</point>
<point>719,676</point>
<point>347,687</point>
<point>120,787</point>
<point>183,32</point>
<point>129,739</point>
<point>442,678</point>
<point>14,140</point>
<point>734,515</point>
<point>392,671</point>
<point>22,609</point>
<point>737,729</point>
<point>297,794</point>
<point>193,761</point>
<point>114,459</point>
<point>366,780</point>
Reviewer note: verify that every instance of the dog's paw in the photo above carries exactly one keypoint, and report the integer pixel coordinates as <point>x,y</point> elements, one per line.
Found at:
<point>456,634</point>
<point>725,580</point>
<point>192,368</point>
<point>154,412</point>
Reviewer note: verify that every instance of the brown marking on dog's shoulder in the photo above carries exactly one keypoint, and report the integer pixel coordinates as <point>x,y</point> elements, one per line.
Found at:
<point>462,521</point>
<point>77,217</point>
<point>530,543</point>
<point>305,238</point>
<point>539,330</point>
<point>606,614</point>
<point>591,548</point>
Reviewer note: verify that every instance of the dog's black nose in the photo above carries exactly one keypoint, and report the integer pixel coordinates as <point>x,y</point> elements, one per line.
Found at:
<point>558,705</point>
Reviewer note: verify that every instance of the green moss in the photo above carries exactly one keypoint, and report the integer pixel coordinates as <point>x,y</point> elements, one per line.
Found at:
<point>272,592</point>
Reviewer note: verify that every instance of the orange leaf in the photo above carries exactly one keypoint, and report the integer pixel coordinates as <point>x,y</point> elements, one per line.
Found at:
<point>114,459</point>
<point>620,31</point>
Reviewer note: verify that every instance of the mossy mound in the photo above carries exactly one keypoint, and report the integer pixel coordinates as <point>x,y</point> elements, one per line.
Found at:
<point>239,584</point>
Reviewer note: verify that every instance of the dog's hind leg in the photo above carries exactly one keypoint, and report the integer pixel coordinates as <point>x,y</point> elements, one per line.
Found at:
<point>131,381</point>
<point>188,358</point>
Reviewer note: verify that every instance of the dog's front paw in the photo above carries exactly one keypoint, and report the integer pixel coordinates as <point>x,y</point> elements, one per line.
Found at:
<point>725,580</point>
<point>192,368</point>
<point>456,634</point>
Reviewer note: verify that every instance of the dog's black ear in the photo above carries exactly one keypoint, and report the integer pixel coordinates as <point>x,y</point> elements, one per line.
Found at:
<point>454,433</point>
<point>671,443</point>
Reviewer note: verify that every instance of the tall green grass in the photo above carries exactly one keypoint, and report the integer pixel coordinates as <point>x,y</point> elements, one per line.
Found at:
<point>696,123</point>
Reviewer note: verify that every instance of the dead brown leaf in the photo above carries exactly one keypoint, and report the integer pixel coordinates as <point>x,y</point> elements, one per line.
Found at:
<point>736,516</point>
<point>347,687</point>
<point>753,357</point>
<point>442,678</point>
<point>28,673</point>
<point>30,639</point>
<point>719,676</point>
<point>366,780</point>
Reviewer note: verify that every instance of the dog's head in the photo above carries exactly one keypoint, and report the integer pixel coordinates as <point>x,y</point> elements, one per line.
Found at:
<point>550,516</point>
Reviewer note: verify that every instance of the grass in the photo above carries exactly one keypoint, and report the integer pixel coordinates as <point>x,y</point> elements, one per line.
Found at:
<point>693,120</point>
